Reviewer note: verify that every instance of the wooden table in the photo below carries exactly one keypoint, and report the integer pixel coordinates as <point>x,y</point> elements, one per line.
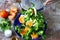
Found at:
<point>51,35</point>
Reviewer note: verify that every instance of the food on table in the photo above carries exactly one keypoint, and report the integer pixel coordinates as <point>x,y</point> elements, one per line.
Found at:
<point>32,24</point>
<point>13,13</point>
<point>11,17</point>
<point>23,32</point>
<point>21,19</point>
<point>26,29</point>
<point>8,33</point>
<point>4,14</point>
<point>34,35</point>
<point>40,33</point>
<point>29,23</point>
<point>5,24</point>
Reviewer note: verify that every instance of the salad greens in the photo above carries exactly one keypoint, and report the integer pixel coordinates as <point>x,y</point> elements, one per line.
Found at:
<point>33,24</point>
<point>5,24</point>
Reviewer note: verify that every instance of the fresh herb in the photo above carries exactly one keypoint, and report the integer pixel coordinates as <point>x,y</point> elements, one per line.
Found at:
<point>5,24</point>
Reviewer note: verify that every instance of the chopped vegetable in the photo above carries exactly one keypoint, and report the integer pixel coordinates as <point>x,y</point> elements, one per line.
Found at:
<point>5,24</point>
<point>30,31</point>
<point>29,23</point>
<point>36,26</point>
<point>40,32</point>
<point>13,13</point>
<point>32,24</point>
<point>4,14</point>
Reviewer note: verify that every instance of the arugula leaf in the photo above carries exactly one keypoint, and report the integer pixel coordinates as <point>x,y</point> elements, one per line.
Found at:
<point>38,20</point>
<point>40,32</point>
<point>44,37</point>
<point>5,24</point>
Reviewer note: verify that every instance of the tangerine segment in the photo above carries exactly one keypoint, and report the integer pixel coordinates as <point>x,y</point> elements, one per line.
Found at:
<point>21,19</point>
<point>29,23</point>
<point>27,28</point>
<point>34,35</point>
<point>23,32</point>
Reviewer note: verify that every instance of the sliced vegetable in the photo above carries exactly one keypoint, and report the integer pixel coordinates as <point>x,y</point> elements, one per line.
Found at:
<point>35,12</point>
<point>5,24</point>
<point>13,13</point>
<point>4,14</point>
<point>40,32</point>
<point>30,31</point>
<point>29,11</point>
<point>32,24</point>
<point>36,26</point>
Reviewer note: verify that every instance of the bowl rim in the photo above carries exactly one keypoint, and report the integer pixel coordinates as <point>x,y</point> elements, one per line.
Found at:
<point>40,9</point>
<point>20,35</point>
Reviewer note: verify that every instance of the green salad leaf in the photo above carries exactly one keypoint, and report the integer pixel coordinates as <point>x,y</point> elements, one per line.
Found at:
<point>35,26</point>
<point>5,24</point>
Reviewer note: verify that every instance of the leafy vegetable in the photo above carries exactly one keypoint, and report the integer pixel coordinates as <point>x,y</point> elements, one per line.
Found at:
<point>5,24</point>
<point>4,14</point>
<point>40,32</point>
<point>34,35</point>
<point>44,37</point>
<point>33,25</point>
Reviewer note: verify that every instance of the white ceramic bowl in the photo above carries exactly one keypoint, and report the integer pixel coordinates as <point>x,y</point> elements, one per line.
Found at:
<point>25,4</point>
<point>8,33</point>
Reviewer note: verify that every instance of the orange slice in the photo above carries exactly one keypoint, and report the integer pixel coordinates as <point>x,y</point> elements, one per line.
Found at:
<point>21,19</point>
<point>29,23</point>
<point>23,32</point>
<point>26,29</point>
<point>34,35</point>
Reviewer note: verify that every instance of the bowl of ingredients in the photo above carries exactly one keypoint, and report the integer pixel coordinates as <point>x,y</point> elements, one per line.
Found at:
<point>5,26</point>
<point>30,24</point>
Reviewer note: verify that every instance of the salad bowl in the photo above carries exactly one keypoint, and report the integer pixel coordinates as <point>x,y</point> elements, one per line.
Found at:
<point>38,4</point>
<point>17,25</point>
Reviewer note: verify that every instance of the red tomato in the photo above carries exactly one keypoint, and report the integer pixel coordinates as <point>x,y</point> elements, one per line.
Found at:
<point>4,14</point>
